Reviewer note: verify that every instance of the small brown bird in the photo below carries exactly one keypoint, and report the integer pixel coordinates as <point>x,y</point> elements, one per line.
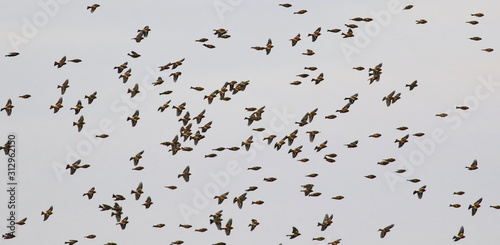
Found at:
<point>286,5</point>
<point>91,236</point>
<point>61,62</point>
<point>353,26</point>
<point>295,151</point>
<point>295,233</point>
<point>90,193</point>
<point>185,174</point>
<point>126,75</point>
<point>487,50</point>
<point>259,202</point>
<point>239,200</point>
<point>399,171</point>
<point>21,222</point>
<point>8,235</point>
<point>318,79</point>
<point>63,86</point>
<point>12,54</point>
<point>412,85</point>
<point>348,34</point>
<point>91,97</point>
<point>359,68</point>
<point>93,7</point>
<point>71,242</point>
<point>176,75</point>
<point>441,115</point>
<point>384,231</point>
<point>254,224</point>
<point>134,54</point>
<point>221,198</point>
<point>102,136</point>
<point>247,143</point>
<point>338,197</point>
<point>227,229</point>
<point>8,107</point>
<point>254,168</point>
<point>138,168</point>
<point>371,176</point>
<point>308,52</point>
<point>134,91</point>
<point>75,60</point>
<point>376,135</point>
<point>458,193</point>
<point>414,180</point>
<point>47,213</point>
<point>270,179</point>
<point>201,230</point>
<point>161,225</point>
<point>202,40</point>
<point>327,221</point>
<point>421,21</point>
<point>402,141</point>
<point>420,192</point>
<point>269,46</point>
<point>136,158</point>
<point>25,96</point>
<point>123,223</point>
<point>134,118</point>
<point>408,7</point>
<point>353,144</point>
<point>460,235</point>
<point>295,39</point>
<point>475,38</point>
<point>121,67</point>
<point>333,30</point>
<point>138,191</point>
<point>78,107</point>
<point>318,238</point>
<point>171,187</point>
<point>118,197</point>
<point>478,14</point>
<point>336,242</point>
<point>475,206</point>
<point>472,22</point>
<point>455,205</point>
<point>495,207</point>
<point>210,46</point>
<point>321,146</point>
<point>147,203</point>
<point>315,34</point>
<point>314,175</point>
<point>303,11</point>
<point>473,166</point>
<point>312,134</point>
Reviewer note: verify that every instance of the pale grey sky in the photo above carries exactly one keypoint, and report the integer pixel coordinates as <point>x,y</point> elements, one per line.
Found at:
<point>450,68</point>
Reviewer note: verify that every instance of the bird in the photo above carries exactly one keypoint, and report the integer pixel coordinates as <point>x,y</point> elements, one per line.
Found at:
<point>254,224</point>
<point>47,213</point>
<point>348,34</point>
<point>458,193</point>
<point>353,144</point>
<point>136,158</point>
<point>412,85</point>
<point>472,22</point>
<point>125,76</point>
<point>134,54</point>
<point>202,40</point>
<point>134,91</point>
<point>91,236</point>
<point>228,227</point>
<point>221,198</point>
<point>25,96</point>
<point>91,97</point>
<point>175,75</point>
<point>295,151</point>
<point>384,231</point>
<point>402,141</point>
<point>75,60</point>
<point>147,203</point>
<point>79,123</point>
<point>478,14</point>
<point>321,146</point>
<point>295,233</point>
<point>61,62</point>
<point>475,38</point>
<point>8,107</point>
<point>303,11</point>
<point>460,235</point>
<point>185,174</point>
<point>210,46</point>
<point>138,191</point>
<point>286,5</point>
<point>123,223</point>
<point>145,31</point>
<point>312,134</point>
<point>408,7</point>
<point>78,107</point>
<point>76,165</point>
<point>121,67</point>
<point>475,206</point>
<point>135,117</point>
<point>315,34</point>
<point>455,205</point>
<point>295,40</point>
<point>473,166</point>
<point>247,143</point>
<point>240,199</point>
<point>487,50</point>
<point>71,242</point>
<point>269,46</point>
<point>12,54</point>
<point>63,86</point>
<point>327,221</point>
<point>421,21</point>
<point>318,79</point>
<point>90,193</point>
<point>308,52</point>
<point>22,221</point>
<point>93,7</point>
<point>420,192</point>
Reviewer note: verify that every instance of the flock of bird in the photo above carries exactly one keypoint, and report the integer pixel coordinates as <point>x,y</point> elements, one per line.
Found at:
<point>194,129</point>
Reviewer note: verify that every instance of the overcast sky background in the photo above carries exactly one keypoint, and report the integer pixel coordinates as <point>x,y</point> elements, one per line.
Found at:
<point>451,71</point>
